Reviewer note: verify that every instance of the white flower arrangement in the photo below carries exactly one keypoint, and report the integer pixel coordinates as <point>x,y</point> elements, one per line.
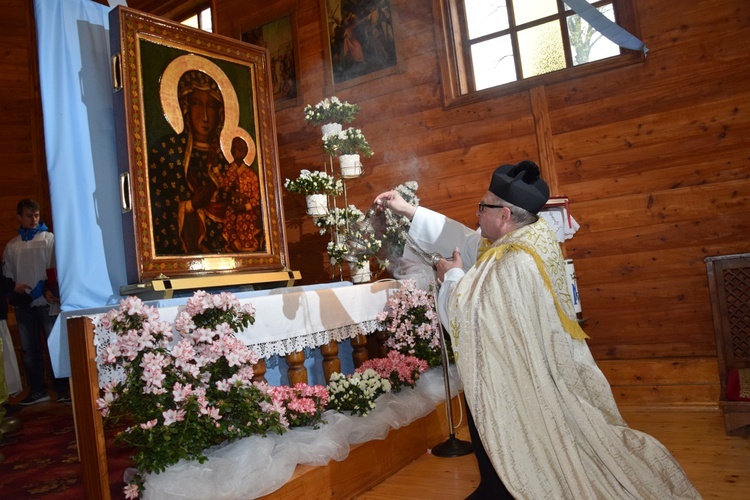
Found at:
<point>315,182</point>
<point>344,222</point>
<point>336,252</point>
<point>339,218</point>
<point>347,142</point>
<point>357,392</point>
<point>368,247</point>
<point>408,191</point>
<point>330,110</point>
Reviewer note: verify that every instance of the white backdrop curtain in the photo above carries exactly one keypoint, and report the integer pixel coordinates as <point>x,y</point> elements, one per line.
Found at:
<point>79,134</point>
<point>76,89</point>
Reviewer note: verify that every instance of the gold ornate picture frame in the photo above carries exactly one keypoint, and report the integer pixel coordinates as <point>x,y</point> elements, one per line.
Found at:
<point>200,186</point>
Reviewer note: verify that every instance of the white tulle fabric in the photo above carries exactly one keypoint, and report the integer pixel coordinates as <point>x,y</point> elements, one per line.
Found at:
<point>257,466</point>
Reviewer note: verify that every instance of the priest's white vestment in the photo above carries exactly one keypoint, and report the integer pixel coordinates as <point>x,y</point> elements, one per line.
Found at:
<point>543,409</point>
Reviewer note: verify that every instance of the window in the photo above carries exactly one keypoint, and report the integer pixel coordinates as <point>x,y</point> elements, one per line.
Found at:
<point>200,20</point>
<point>509,45</point>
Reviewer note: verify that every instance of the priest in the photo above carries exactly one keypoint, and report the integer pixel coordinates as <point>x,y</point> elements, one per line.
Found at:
<point>546,423</point>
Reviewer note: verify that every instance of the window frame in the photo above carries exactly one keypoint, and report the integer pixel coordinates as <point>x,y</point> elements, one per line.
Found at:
<point>454,56</point>
<point>197,11</point>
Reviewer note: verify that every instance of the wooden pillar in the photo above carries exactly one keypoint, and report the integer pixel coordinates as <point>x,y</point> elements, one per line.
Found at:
<point>259,371</point>
<point>297,371</point>
<point>331,361</point>
<point>543,132</point>
<point>359,350</point>
<point>88,421</point>
<point>381,337</point>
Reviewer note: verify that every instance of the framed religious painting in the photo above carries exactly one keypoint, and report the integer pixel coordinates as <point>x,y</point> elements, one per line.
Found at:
<point>362,40</point>
<point>199,176</point>
<point>279,37</point>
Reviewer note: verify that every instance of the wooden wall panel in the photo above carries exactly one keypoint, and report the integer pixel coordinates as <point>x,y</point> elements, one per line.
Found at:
<point>630,149</point>
<point>22,166</point>
<point>677,381</point>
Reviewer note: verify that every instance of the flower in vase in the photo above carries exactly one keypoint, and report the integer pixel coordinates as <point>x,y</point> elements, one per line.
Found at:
<point>330,110</point>
<point>338,219</point>
<point>394,239</point>
<point>315,182</point>
<point>350,141</point>
<point>336,252</point>
<point>367,246</point>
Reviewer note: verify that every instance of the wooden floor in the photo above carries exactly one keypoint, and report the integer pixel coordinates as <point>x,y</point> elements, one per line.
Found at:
<point>718,465</point>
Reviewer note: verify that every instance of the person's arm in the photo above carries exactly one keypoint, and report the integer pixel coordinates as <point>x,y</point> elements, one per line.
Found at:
<point>14,292</point>
<point>435,232</point>
<point>396,203</point>
<point>432,231</point>
<point>51,289</point>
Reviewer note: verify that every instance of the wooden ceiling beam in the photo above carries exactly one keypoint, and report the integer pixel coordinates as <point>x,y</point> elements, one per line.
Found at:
<point>168,9</point>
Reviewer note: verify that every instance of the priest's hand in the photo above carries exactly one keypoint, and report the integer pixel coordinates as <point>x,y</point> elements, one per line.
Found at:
<point>445,265</point>
<point>394,201</point>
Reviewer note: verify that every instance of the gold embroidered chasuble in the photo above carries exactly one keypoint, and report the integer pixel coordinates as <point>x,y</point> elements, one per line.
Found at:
<point>543,408</point>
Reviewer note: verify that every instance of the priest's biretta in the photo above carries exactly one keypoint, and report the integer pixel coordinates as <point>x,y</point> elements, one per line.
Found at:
<point>521,185</point>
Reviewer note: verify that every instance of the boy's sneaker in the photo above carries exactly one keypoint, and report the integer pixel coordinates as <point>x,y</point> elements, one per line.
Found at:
<point>34,398</point>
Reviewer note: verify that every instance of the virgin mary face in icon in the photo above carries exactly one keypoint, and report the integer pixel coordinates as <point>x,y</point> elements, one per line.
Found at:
<point>205,113</point>
<point>202,105</point>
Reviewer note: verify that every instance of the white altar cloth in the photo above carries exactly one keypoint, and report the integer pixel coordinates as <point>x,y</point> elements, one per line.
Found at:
<point>286,319</point>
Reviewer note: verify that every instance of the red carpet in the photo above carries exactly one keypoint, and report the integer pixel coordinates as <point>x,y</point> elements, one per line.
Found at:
<point>43,460</point>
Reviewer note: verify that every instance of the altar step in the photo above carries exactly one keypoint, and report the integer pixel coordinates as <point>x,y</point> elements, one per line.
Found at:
<point>368,464</point>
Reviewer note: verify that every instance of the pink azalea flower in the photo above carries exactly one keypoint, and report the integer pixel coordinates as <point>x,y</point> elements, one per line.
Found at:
<point>181,392</point>
<point>173,416</point>
<point>131,491</point>
<point>149,425</point>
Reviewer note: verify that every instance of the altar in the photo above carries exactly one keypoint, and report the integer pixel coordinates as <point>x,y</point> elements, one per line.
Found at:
<point>295,328</point>
<point>301,322</point>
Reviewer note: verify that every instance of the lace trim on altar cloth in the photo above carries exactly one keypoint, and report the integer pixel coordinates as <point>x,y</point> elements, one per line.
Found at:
<point>313,340</point>
<point>103,337</point>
